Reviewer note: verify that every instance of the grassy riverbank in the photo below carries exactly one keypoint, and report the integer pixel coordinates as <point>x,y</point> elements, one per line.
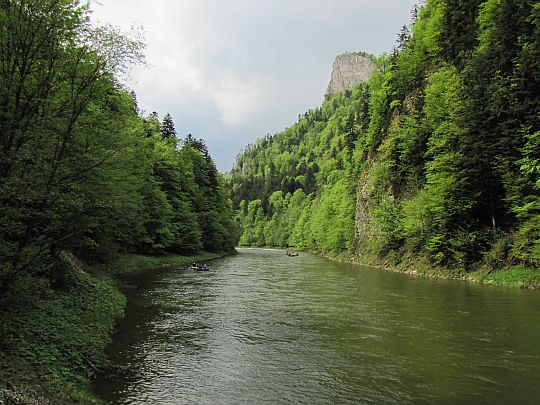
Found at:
<point>511,276</point>
<point>53,336</point>
<point>132,263</point>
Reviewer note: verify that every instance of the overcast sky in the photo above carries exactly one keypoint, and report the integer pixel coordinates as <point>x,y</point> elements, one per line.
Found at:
<point>231,71</point>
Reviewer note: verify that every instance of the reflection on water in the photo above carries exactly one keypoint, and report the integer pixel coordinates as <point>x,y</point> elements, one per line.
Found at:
<point>262,327</point>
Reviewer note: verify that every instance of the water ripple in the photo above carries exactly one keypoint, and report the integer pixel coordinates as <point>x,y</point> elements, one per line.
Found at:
<point>263,328</point>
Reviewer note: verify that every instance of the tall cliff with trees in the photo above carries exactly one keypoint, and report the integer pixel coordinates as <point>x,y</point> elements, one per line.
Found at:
<point>437,157</point>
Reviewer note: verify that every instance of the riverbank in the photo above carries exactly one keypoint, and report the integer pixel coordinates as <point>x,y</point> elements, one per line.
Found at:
<point>133,263</point>
<point>53,336</point>
<point>511,276</point>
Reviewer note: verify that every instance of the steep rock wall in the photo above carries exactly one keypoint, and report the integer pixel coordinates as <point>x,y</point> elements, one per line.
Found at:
<point>348,70</point>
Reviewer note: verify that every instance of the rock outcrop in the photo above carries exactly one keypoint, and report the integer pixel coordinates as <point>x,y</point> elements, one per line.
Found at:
<point>348,70</point>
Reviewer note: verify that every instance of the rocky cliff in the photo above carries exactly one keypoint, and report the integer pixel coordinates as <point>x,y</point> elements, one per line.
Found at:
<point>349,69</point>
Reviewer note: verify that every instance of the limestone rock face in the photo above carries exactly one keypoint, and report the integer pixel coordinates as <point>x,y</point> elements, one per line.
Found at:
<point>348,70</point>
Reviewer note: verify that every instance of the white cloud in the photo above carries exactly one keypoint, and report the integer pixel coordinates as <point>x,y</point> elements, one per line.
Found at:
<point>236,100</point>
<point>242,68</point>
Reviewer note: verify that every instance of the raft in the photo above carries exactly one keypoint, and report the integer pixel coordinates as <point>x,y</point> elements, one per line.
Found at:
<point>199,268</point>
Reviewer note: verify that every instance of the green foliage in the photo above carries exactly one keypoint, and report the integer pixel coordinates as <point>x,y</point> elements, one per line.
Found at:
<point>57,337</point>
<point>419,220</point>
<point>446,187</point>
<point>277,182</point>
<point>518,276</point>
<point>332,224</point>
<point>80,169</point>
<point>459,37</point>
<point>167,129</point>
<point>254,225</point>
<point>67,128</point>
<point>82,173</point>
<point>436,156</point>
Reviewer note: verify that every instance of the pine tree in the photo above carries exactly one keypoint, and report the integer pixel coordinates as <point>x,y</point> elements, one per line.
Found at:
<point>135,102</point>
<point>167,129</point>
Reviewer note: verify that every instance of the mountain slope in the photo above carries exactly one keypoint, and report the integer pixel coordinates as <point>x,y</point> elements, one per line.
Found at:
<point>436,157</point>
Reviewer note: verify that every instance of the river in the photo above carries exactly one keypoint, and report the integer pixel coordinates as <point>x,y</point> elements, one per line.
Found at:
<point>264,328</point>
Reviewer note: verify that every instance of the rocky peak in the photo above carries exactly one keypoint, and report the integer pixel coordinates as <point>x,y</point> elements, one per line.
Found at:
<point>348,70</point>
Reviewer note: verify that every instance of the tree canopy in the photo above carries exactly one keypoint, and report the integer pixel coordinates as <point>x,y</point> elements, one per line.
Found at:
<point>437,156</point>
<point>81,169</point>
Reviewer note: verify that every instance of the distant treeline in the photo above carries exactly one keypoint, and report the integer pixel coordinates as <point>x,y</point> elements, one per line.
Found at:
<point>81,169</point>
<point>438,156</point>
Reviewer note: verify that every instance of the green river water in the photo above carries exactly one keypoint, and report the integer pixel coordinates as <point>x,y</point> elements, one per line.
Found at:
<point>264,328</point>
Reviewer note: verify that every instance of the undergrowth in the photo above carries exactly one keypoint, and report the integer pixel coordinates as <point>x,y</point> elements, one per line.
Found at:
<point>54,330</point>
<point>52,337</point>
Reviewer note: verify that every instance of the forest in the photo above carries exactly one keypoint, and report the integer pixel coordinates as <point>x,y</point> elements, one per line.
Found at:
<point>85,177</point>
<point>436,158</point>
<point>83,171</point>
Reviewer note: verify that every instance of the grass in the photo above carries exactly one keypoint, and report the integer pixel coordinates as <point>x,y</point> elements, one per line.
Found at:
<point>515,276</point>
<point>52,338</point>
<point>132,263</point>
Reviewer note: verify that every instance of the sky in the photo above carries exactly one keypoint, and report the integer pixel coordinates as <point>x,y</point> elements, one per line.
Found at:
<point>232,71</point>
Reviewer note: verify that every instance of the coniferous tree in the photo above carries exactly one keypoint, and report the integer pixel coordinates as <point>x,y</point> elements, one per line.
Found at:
<point>444,144</point>
<point>167,129</point>
<point>80,170</point>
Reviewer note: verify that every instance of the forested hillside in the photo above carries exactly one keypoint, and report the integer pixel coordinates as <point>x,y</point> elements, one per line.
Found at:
<point>81,169</point>
<point>438,156</point>
<point>84,177</point>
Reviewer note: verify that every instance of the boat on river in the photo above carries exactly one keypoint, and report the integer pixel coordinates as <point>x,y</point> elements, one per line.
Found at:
<point>199,268</point>
<point>290,253</point>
